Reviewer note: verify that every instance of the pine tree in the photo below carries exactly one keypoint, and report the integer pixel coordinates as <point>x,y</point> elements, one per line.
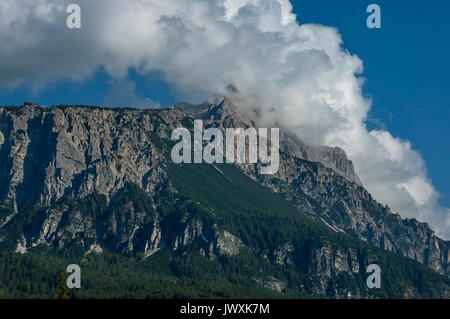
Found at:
<point>62,292</point>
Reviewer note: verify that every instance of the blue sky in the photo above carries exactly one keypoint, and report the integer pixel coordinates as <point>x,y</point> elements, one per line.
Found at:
<point>407,69</point>
<point>407,73</point>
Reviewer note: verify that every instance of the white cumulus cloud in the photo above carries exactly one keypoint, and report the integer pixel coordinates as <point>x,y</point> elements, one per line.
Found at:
<point>123,94</point>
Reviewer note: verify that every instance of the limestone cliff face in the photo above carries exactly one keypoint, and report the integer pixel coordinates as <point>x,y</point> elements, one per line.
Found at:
<point>72,152</point>
<point>49,155</point>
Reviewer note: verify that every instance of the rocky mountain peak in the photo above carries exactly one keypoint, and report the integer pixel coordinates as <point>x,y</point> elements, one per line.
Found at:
<point>32,104</point>
<point>229,114</point>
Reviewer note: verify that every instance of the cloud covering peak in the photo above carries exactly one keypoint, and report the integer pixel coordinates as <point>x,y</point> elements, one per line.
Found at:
<point>297,74</point>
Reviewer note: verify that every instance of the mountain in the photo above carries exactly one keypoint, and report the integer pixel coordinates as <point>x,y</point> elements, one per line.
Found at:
<point>325,185</point>
<point>226,112</point>
<point>97,186</point>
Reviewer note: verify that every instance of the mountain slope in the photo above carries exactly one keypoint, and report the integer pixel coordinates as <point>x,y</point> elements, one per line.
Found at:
<point>90,182</point>
<point>335,195</point>
<point>213,233</point>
